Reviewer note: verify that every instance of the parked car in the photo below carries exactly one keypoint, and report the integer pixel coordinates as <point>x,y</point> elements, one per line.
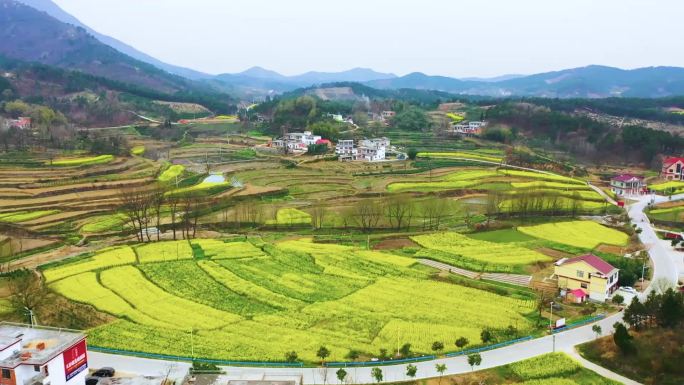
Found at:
<point>628,289</point>
<point>104,372</point>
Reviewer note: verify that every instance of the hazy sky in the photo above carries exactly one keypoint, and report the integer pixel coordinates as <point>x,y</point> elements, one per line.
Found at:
<point>438,37</point>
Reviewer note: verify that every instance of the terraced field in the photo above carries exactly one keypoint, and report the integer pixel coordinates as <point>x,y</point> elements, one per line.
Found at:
<point>300,294</point>
<point>39,198</point>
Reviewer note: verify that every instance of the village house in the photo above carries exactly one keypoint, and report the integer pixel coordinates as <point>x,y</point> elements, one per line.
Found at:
<point>468,128</point>
<point>22,123</point>
<point>627,184</point>
<point>34,355</point>
<point>345,150</point>
<point>387,115</point>
<point>296,141</point>
<point>586,277</point>
<point>368,150</point>
<point>673,168</point>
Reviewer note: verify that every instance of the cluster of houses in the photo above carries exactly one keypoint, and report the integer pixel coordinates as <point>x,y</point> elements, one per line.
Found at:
<point>634,185</point>
<point>22,123</point>
<point>367,150</point>
<point>298,142</point>
<point>465,128</point>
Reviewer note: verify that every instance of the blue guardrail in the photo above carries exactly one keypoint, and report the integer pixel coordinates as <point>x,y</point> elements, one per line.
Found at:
<point>190,359</point>
<point>488,347</point>
<point>579,323</point>
<point>379,363</point>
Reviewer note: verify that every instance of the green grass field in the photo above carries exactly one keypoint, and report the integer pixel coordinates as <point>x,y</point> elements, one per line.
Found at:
<point>248,303</point>
<point>461,155</point>
<point>450,246</point>
<point>23,216</point>
<point>502,236</point>
<point>585,234</point>
<point>290,217</point>
<point>104,223</point>
<point>671,187</point>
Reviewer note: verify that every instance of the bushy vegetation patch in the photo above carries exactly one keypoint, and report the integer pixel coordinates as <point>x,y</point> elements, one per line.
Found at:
<point>171,173</point>
<point>548,365</point>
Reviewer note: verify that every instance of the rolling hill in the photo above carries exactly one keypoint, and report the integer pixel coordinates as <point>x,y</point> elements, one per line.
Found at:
<point>58,13</point>
<point>584,82</point>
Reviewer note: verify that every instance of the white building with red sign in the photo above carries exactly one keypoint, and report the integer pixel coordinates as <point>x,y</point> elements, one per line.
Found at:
<point>42,356</point>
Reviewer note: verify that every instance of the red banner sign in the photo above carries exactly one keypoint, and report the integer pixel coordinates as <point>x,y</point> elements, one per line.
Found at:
<point>75,360</point>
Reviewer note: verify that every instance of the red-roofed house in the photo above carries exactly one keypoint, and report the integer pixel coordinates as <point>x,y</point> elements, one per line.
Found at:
<point>673,168</point>
<point>593,275</point>
<point>627,184</point>
<point>324,141</point>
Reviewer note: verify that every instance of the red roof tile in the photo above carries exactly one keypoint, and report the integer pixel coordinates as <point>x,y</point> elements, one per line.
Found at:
<point>597,263</point>
<point>671,160</point>
<point>578,293</point>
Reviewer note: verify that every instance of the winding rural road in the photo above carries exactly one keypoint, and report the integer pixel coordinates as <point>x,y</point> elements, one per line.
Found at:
<point>564,341</point>
<point>667,264</point>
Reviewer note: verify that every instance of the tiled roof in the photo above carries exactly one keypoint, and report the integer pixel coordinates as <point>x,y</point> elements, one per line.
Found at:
<point>578,293</point>
<point>670,160</point>
<point>626,177</point>
<point>597,263</point>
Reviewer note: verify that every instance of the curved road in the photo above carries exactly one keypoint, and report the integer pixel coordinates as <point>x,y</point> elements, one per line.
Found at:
<point>564,341</point>
<point>665,265</point>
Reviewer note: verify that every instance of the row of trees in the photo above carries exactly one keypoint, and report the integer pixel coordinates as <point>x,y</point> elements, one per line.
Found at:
<point>474,360</point>
<point>144,208</point>
<point>399,211</point>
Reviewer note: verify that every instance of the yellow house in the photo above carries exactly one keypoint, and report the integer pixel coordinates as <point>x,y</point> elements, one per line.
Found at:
<point>586,276</point>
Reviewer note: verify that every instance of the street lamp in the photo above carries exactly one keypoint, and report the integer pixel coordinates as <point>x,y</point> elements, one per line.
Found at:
<point>551,318</point>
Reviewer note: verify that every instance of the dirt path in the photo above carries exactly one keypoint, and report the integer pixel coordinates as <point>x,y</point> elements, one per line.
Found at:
<point>600,369</point>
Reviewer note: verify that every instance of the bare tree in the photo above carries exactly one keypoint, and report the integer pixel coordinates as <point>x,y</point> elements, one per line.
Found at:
<point>135,204</point>
<point>433,212</point>
<point>576,205</point>
<point>397,208</point>
<point>158,198</point>
<point>367,214</point>
<point>318,215</point>
<point>173,202</point>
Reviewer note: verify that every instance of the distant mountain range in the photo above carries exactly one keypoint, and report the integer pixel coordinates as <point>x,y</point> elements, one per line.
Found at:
<point>40,31</point>
<point>58,13</point>
<point>585,82</point>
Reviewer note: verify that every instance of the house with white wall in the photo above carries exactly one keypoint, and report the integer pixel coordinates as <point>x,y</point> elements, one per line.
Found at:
<point>296,141</point>
<point>42,356</point>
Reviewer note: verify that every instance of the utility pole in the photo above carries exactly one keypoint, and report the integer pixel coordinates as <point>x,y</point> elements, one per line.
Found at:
<point>551,318</point>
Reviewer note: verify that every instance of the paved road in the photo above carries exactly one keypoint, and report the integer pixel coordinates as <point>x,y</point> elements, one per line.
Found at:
<point>667,263</point>
<point>564,341</point>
